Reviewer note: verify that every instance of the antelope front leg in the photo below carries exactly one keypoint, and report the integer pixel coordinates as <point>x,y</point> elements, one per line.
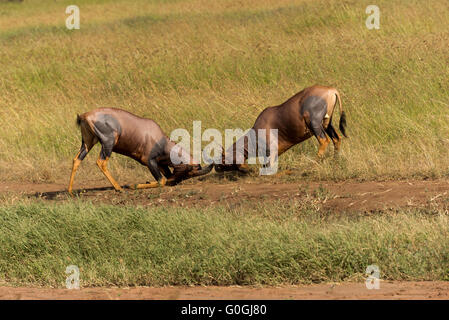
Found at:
<point>103,165</point>
<point>155,184</point>
<point>154,169</point>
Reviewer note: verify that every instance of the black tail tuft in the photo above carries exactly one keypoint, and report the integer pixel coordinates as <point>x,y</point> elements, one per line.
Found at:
<point>78,120</point>
<point>342,125</point>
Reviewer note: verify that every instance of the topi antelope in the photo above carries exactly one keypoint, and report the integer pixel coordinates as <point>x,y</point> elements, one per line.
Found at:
<point>307,113</point>
<point>139,138</point>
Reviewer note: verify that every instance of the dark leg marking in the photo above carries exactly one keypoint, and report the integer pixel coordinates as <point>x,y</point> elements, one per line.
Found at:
<point>154,169</point>
<point>336,139</point>
<point>330,130</point>
<point>106,150</point>
<point>165,171</point>
<point>83,151</point>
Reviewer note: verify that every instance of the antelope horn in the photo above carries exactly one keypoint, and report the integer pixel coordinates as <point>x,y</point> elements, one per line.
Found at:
<point>202,171</point>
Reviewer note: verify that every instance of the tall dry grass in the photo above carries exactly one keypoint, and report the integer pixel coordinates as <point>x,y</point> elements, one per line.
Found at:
<point>222,62</point>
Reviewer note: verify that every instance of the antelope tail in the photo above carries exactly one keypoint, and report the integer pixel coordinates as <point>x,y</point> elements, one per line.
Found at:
<point>342,124</point>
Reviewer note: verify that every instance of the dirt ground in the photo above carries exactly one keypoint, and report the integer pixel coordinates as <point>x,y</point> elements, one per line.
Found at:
<point>339,197</point>
<point>344,196</point>
<point>387,291</point>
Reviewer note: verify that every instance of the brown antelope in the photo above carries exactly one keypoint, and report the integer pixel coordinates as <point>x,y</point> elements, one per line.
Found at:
<point>139,138</point>
<point>307,113</point>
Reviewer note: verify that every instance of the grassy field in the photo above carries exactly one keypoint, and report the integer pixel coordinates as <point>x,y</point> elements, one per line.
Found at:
<point>281,243</point>
<point>222,62</point>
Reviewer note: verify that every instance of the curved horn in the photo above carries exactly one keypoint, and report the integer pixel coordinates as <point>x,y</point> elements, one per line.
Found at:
<point>220,165</point>
<point>223,155</point>
<point>201,171</point>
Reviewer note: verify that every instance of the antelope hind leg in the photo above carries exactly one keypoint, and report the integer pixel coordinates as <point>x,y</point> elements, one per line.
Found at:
<point>76,164</point>
<point>84,150</point>
<point>336,139</point>
<point>322,138</point>
<point>323,145</point>
<point>103,165</point>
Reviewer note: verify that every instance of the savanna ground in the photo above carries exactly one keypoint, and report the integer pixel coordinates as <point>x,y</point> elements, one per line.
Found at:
<point>384,200</point>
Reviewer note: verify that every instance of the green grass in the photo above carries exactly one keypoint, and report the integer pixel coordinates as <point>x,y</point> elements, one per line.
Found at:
<point>268,244</point>
<point>222,62</point>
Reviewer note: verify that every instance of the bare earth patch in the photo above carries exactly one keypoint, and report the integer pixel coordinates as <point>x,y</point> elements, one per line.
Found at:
<point>388,290</point>
<point>344,196</point>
